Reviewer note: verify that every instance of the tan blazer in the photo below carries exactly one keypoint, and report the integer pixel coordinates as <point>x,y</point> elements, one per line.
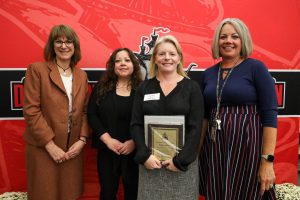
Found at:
<point>45,110</point>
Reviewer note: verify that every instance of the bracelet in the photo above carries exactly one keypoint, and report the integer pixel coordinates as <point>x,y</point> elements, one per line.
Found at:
<point>82,140</point>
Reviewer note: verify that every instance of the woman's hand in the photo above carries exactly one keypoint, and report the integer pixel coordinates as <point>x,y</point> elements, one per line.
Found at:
<point>127,147</point>
<point>56,153</point>
<point>111,143</point>
<point>266,176</point>
<point>75,149</point>
<point>114,145</point>
<point>170,165</point>
<point>152,163</point>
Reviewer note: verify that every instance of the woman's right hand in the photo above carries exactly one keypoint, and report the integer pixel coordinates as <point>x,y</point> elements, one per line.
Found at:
<point>152,163</point>
<point>114,145</point>
<point>56,153</point>
<point>111,143</point>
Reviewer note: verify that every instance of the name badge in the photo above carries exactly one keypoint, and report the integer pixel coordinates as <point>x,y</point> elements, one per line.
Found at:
<point>149,97</point>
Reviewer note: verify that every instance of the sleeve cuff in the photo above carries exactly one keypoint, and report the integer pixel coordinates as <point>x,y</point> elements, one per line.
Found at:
<point>141,156</point>
<point>178,165</point>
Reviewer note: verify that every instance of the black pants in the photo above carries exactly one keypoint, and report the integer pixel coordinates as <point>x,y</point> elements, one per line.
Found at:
<point>112,167</point>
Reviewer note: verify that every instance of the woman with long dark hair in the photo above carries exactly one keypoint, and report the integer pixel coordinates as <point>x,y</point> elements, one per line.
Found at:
<point>109,114</point>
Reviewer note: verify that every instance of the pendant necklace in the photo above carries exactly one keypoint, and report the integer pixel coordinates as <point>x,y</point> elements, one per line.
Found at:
<point>65,73</point>
<point>216,121</point>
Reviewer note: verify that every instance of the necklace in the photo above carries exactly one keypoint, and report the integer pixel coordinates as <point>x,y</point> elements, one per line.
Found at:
<point>64,69</point>
<point>216,122</point>
<point>225,72</point>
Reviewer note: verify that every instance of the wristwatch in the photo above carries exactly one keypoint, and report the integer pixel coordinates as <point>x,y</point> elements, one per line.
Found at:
<point>269,158</point>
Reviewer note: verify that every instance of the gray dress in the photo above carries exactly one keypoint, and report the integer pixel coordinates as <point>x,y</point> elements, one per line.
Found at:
<point>162,184</point>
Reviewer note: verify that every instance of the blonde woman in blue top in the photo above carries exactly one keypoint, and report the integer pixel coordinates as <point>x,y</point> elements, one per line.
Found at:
<point>236,160</point>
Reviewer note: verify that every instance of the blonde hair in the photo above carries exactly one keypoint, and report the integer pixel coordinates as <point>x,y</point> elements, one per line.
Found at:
<point>165,39</point>
<point>242,31</point>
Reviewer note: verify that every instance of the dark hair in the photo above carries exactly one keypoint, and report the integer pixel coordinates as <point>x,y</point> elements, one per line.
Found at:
<point>62,31</point>
<point>109,79</point>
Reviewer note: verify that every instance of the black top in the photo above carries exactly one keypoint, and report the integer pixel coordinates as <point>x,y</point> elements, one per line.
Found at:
<point>123,115</point>
<point>112,115</point>
<point>185,99</point>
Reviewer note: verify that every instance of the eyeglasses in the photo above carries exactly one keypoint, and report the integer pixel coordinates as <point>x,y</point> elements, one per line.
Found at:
<point>59,43</point>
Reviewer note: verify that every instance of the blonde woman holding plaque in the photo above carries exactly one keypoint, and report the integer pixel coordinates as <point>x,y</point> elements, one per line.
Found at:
<point>168,92</point>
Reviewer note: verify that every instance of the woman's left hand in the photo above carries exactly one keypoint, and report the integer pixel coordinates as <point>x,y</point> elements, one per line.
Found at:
<point>75,149</point>
<point>127,147</point>
<point>170,165</point>
<point>266,176</point>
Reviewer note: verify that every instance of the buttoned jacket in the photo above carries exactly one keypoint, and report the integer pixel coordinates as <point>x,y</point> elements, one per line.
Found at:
<point>46,106</point>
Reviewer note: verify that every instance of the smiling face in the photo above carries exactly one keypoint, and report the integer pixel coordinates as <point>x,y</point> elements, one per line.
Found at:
<point>167,58</point>
<point>230,44</point>
<point>64,49</point>
<point>123,65</point>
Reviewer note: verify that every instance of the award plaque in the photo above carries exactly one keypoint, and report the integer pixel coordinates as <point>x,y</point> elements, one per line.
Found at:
<point>164,135</point>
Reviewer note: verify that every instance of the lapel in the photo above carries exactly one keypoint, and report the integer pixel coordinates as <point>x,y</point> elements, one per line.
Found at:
<point>56,79</point>
<point>76,82</point>
<point>132,94</point>
<point>55,76</point>
<point>114,101</point>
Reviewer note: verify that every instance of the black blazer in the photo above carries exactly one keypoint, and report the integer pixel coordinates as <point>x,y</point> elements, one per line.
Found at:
<point>103,118</point>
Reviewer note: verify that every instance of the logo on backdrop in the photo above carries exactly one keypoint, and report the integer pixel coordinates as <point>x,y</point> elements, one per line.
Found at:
<point>146,49</point>
<point>17,94</point>
<point>280,92</point>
